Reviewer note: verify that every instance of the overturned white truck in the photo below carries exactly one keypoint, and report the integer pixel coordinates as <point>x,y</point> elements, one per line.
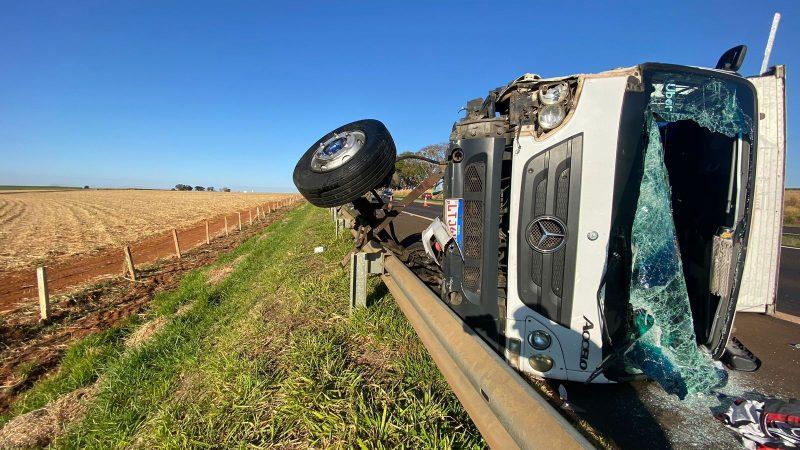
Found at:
<point>595,227</point>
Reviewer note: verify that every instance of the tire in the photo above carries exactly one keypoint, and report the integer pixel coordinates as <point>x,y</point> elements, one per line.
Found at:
<point>368,168</point>
<point>413,255</point>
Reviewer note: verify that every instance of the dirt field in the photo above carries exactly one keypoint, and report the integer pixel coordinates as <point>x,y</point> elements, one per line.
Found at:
<point>43,227</point>
<point>791,207</point>
<point>31,348</point>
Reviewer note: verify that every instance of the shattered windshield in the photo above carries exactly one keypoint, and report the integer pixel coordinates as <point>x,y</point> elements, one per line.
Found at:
<point>665,345</point>
<point>714,103</point>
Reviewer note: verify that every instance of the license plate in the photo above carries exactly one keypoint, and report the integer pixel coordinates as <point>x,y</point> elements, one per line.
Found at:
<point>454,218</point>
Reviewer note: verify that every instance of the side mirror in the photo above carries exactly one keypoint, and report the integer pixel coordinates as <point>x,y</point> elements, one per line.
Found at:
<point>733,59</point>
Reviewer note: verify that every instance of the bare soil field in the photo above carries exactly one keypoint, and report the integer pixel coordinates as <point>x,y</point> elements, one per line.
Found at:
<point>45,226</point>
<point>31,348</point>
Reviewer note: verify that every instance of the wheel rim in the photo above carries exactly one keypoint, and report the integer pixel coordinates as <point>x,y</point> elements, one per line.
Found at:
<point>336,150</point>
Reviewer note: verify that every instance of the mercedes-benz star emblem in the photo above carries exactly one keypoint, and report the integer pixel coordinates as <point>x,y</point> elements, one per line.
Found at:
<point>547,234</point>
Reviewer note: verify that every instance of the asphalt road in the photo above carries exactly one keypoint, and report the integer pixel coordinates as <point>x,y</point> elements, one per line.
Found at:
<point>788,300</point>
<point>633,414</point>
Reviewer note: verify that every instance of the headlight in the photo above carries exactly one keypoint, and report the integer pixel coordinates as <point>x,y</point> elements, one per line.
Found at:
<point>553,94</point>
<point>541,363</point>
<point>551,116</point>
<point>539,340</point>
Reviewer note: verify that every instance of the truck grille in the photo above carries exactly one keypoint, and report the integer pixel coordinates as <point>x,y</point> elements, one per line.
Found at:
<point>548,224</point>
<point>474,176</point>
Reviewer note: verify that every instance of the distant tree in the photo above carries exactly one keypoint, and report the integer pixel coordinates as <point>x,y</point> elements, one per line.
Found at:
<point>409,172</point>
<point>210,189</point>
<point>434,151</point>
<point>86,187</point>
<point>226,189</point>
<point>183,187</point>
<point>199,188</point>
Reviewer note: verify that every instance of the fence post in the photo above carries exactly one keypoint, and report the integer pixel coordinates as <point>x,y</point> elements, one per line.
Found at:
<point>129,262</point>
<point>226,225</point>
<point>208,238</point>
<point>239,213</point>
<point>258,212</point>
<point>177,246</point>
<point>44,296</point>
<point>250,213</point>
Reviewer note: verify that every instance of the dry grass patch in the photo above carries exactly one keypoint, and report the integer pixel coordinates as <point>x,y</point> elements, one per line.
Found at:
<point>40,427</point>
<point>145,332</point>
<point>218,274</point>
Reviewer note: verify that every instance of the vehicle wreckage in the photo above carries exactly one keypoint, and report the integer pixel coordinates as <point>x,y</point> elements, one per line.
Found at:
<point>595,226</point>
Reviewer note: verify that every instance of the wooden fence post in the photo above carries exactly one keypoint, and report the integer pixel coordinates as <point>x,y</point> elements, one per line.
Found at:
<point>239,213</point>
<point>250,213</point>
<point>177,246</point>
<point>44,296</point>
<point>129,262</point>
<point>258,212</point>
<point>226,225</point>
<point>208,238</point>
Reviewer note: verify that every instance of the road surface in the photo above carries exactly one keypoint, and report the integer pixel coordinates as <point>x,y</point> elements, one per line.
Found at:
<point>788,300</point>
<point>633,414</point>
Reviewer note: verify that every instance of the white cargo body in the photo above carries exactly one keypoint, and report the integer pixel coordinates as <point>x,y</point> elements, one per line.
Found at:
<point>760,280</point>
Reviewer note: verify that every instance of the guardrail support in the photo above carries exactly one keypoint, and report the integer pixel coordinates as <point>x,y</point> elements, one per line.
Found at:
<point>361,265</point>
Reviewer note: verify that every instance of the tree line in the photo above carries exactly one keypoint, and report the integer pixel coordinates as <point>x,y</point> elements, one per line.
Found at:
<point>409,173</point>
<point>186,187</point>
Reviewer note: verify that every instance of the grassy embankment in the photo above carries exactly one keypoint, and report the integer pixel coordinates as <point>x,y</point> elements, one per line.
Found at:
<point>259,349</point>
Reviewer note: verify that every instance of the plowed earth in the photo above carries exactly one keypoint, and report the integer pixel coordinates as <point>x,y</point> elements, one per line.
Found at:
<point>29,348</point>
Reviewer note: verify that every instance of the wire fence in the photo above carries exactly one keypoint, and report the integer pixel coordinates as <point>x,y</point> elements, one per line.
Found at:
<point>20,286</point>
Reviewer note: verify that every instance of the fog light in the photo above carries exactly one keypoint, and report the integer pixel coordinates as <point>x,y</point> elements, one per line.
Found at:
<point>541,363</point>
<point>539,340</point>
<point>551,116</point>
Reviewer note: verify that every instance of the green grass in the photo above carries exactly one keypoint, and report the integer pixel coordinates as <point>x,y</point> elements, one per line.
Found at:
<point>268,357</point>
<point>790,240</point>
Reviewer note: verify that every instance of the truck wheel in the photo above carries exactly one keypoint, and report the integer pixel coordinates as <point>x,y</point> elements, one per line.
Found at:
<point>413,255</point>
<point>346,163</point>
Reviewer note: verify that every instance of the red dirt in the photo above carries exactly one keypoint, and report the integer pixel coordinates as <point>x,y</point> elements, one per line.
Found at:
<point>19,286</point>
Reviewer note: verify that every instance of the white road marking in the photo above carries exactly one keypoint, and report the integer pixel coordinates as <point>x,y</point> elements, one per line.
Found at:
<point>793,248</point>
<point>417,215</point>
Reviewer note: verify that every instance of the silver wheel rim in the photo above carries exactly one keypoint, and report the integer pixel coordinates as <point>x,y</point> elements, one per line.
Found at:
<point>336,150</point>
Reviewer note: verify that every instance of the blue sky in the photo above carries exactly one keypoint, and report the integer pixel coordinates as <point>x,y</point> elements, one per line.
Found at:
<point>150,94</point>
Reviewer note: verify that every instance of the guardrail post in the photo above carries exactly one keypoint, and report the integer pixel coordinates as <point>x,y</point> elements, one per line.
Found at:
<point>361,265</point>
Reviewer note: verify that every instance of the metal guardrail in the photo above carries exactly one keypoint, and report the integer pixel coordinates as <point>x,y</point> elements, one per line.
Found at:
<point>507,411</point>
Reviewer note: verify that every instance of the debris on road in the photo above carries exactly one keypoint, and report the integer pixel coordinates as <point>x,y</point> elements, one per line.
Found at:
<point>770,424</point>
